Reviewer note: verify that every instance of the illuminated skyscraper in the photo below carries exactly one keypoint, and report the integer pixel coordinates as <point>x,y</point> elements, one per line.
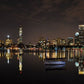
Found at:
<point>81,34</point>
<point>20,35</point>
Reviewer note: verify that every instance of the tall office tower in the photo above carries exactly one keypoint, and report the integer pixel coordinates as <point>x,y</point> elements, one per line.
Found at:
<point>77,42</point>
<point>81,34</point>
<point>20,35</point>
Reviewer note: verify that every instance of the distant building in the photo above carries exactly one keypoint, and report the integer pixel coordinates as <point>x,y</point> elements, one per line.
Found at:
<point>20,35</point>
<point>70,41</point>
<point>30,45</point>
<point>63,42</point>
<point>81,34</point>
<point>47,43</point>
<point>42,43</point>
<point>8,41</point>
<point>60,41</point>
<point>53,42</point>
<point>77,41</point>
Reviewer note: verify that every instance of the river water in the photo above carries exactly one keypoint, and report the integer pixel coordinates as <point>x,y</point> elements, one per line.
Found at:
<point>30,67</point>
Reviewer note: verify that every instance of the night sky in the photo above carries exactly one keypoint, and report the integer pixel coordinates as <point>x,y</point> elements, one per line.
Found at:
<point>40,18</point>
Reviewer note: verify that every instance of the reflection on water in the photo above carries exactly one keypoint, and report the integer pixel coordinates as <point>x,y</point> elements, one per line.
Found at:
<point>55,59</point>
<point>19,57</point>
<point>9,56</point>
<point>56,54</point>
<point>69,54</point>
<point>75,55</point>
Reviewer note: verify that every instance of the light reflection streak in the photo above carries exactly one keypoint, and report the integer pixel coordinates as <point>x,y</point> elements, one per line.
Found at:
<point>9,55</point>
<point>20,60</point>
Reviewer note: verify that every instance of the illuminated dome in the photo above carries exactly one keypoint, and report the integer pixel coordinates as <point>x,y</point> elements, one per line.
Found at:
<point>77,34</point>
<point>8,36</point>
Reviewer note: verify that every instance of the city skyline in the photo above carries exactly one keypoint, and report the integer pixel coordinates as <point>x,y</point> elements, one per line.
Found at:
<point>40,18</point>
<point>20,36</point>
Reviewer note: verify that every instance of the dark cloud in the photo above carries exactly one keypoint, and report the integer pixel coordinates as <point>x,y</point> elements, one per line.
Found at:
<point>75,12</point>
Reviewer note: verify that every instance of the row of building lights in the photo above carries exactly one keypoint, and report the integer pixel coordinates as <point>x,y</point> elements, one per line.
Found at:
<point>77,39</point>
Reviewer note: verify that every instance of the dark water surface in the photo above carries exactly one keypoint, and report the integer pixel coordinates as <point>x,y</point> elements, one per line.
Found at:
<point>34,71</point>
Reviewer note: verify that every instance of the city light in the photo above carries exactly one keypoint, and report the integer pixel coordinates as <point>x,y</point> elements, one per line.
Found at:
<point>77,34</point>
<point>8,36</point>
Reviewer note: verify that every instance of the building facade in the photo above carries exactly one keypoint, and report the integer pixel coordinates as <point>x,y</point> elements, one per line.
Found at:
<point>77,41</point>
<point>70,41</point>
<point>20,35</point>
<point>8,41</point>
<point>81,34</point>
